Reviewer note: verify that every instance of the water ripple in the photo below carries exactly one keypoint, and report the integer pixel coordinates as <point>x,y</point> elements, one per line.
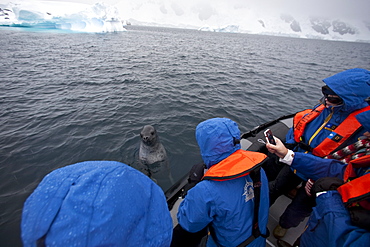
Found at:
<point>73,97</point>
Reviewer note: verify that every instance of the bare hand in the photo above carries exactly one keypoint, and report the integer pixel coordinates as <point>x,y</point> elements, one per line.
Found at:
<point>279,149</point>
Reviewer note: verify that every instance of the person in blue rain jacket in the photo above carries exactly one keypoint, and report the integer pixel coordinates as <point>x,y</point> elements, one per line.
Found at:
<point>96,203</point>
<point>335,220</point>
<point>330,224</point>
<point>320,132</point>
<point>348,91</point>
<point>223,202</point>
<point>308,166</point>
<point>352,86</point>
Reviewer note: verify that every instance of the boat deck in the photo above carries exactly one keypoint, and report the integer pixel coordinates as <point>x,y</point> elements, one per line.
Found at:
<point>275,211</point>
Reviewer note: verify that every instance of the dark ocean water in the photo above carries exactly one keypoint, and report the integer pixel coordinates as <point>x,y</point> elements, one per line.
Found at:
<point>71,97</point>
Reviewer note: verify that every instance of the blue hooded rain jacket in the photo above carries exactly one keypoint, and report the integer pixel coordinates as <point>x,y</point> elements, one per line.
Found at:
<point>353,86</point>
<point>330,225</point>
<point>225,206</point>
<point>97,203</point>
<point>330,222</point>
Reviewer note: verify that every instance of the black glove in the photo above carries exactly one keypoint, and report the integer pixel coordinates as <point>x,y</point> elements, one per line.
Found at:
<point>196,173</point>
<point>195,176</point>
<point>183,238</point>
<point>360,217</point>
<point>325,184</point>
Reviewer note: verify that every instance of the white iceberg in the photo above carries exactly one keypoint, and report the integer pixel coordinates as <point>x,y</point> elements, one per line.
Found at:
<point>61,15</point>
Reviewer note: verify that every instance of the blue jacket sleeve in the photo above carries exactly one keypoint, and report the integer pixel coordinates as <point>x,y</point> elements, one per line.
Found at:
<point>309,166</point>
<point>196,211</point>
<point>330,225</point>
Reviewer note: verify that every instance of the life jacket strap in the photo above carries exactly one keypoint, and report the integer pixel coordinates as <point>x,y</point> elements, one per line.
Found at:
<point>256,178</point>
<point>305,146</point>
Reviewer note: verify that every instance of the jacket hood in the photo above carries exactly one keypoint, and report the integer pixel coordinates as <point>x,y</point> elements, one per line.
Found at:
<point>97,203</point>
<point>217,139</point>
<point>353,86</point>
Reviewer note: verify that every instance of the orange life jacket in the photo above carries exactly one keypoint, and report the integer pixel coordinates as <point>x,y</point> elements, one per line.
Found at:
<point>357,189</point>
<point>341,133</point>
<point>238,164</point>
<point>301,119</point>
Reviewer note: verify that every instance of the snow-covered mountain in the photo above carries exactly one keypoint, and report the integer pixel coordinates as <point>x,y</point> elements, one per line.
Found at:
<point>312,27</point>
<point>218,16</point>
<point>296,18</point>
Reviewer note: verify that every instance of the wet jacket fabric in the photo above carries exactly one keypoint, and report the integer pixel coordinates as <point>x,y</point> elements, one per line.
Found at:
<point>217,139</point>
<point>97,203</point>
<point>330,225</point>
<point>353,86</point>
<point>226,207</point>
<point>308,166</point>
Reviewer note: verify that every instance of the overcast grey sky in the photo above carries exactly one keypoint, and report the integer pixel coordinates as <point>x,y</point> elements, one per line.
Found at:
<point>341,9</point>
<point>354,9</point>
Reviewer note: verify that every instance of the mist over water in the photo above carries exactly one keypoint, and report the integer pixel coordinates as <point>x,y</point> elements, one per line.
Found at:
<point>71,97</point>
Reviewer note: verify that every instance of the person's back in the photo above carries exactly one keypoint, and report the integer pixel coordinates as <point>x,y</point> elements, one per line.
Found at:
<point>224,200</point>
<point>230,207</point>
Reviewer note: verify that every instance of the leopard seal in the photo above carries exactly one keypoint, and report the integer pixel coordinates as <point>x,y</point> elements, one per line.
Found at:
<point>151,149</point>
<point>153,157</point>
